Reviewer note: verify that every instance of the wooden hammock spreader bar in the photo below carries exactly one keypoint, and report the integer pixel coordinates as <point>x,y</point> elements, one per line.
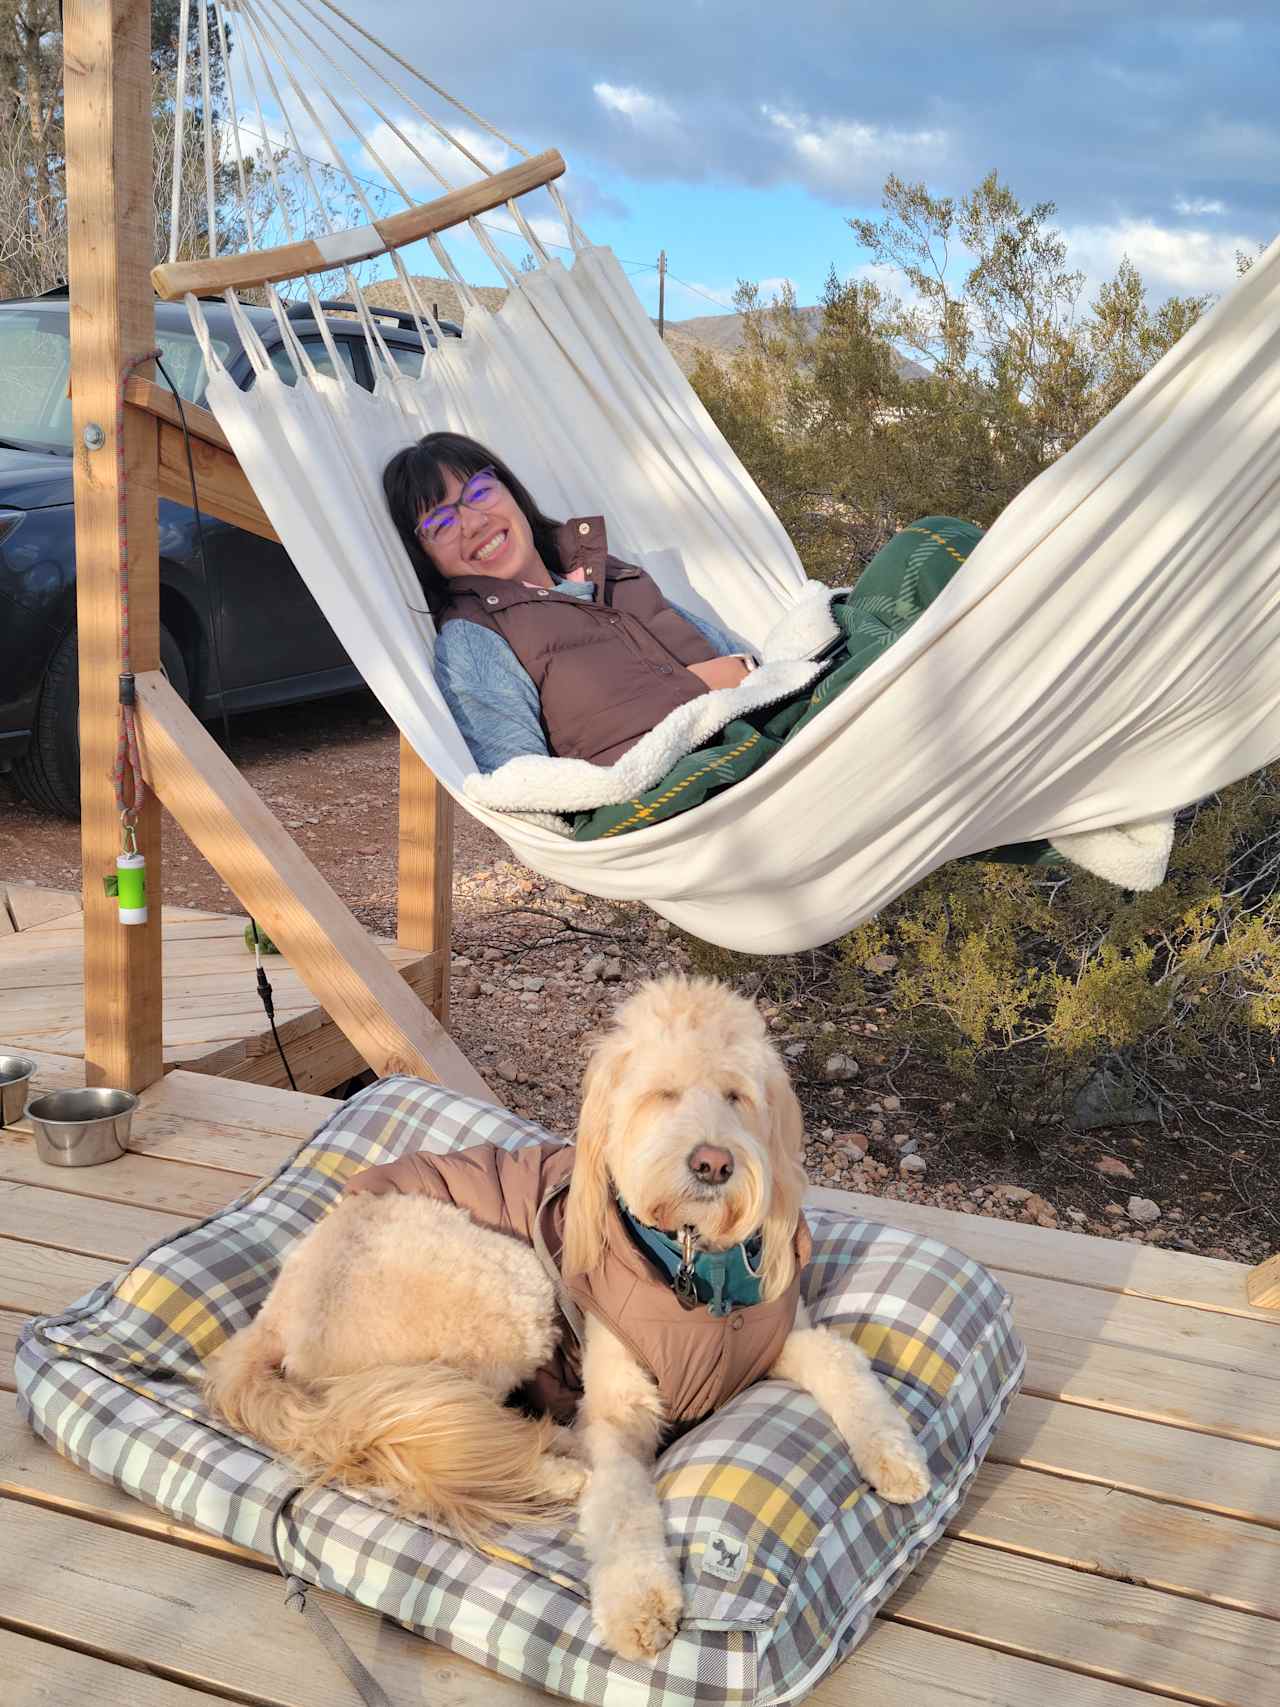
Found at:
<point>213,275</point>
<point>220,483</point>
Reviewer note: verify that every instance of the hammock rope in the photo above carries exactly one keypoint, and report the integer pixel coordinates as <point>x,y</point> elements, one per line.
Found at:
<point>1108,654</point>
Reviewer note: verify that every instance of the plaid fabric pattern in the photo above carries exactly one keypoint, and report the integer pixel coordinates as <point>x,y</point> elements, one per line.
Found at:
<point>765,1482</point>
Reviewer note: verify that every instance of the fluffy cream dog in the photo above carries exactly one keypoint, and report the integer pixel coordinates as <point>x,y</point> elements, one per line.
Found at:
<point>398,1326</point>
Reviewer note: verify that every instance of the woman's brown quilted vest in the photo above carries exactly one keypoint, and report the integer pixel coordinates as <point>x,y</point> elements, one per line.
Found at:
<point>699,1361</point>
<point>607,670</point>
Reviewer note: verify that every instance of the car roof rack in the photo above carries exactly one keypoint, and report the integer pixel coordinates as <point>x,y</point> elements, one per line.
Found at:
<point>405,321</point>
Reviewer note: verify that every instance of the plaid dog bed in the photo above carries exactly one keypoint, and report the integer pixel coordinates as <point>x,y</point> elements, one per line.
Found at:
<point>785,1552</point>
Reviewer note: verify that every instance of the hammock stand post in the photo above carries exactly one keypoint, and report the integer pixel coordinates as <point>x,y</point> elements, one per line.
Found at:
<point>112,322</point>
<point>107,45</point>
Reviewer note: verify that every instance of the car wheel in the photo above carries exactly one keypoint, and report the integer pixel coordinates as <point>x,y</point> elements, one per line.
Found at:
<point>49,772</point>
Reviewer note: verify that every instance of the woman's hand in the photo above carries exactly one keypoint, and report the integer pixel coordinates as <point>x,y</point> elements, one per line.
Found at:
<point>719,672</point>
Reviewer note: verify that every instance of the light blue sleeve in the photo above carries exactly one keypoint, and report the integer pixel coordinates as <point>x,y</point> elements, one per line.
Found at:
<point>710,633</point>
<point>491,695</point>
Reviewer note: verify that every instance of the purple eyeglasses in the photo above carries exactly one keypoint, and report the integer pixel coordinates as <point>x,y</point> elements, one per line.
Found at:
<point>481,492</point>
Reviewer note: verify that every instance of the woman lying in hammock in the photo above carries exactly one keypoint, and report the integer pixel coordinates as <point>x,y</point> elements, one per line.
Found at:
<point>548,647</point>
<point>546,644</point>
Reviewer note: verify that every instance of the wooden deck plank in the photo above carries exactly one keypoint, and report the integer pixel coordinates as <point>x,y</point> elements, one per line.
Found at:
<point>1097,1626</point>
<point>38,1279</point>
<point>1116,1451</point>
<point>75,1224</point>
<point>179,1188</point>
<point>10,1327</point>
<point>899,1664</point>
<point>1111,1265</point>
<point>41,1672</point>
<point>29,905</point>
<point>1220,1341</point>
<point>1123,1536</point>
<point>1223,1402</point>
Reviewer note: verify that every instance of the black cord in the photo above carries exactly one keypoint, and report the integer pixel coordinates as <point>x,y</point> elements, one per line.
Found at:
<point>265,992</point>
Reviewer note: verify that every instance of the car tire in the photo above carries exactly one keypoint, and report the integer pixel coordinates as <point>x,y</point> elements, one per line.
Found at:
<point>48,773</point>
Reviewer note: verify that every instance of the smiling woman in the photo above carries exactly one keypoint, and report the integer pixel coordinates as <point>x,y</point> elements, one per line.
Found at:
<point>547,644</point>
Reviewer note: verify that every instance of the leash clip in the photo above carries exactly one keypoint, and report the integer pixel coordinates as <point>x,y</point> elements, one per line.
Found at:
<point>684,1286</point>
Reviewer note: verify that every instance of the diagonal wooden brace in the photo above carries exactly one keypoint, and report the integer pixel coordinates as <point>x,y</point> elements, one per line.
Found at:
<point>276,882</point>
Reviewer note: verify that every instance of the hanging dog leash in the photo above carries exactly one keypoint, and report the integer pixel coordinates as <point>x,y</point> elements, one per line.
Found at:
<point>296,1591</point>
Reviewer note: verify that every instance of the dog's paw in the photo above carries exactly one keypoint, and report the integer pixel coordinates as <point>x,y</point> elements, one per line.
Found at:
<point>895,1467</point>
<point>563,1478</point>
<point>636,1607</point>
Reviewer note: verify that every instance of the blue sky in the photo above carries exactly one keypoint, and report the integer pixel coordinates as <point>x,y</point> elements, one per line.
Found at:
<point>740,136</point>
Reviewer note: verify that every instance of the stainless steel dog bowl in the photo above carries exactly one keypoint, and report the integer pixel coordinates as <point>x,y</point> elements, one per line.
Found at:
<point>15,1077</point>
<point>79,1129</point>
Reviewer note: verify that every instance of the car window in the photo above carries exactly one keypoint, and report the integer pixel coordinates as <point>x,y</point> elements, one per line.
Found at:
<point>282,361</point>
<point>185,364</point>
<point>35,358</point>
<point>408,361</point>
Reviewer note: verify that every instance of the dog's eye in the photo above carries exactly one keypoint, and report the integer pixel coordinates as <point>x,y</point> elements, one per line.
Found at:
<point>732,1096</point>
<point>667,1096</point>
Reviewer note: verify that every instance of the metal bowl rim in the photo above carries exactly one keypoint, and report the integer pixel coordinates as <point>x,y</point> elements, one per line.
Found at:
<point>33,1110</point>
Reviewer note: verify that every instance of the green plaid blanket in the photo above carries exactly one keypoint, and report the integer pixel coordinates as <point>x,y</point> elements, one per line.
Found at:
<point>894,590</point>
<point>110,1383</point>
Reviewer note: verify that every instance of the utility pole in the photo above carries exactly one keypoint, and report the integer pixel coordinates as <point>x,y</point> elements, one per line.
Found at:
<point>662,293</point>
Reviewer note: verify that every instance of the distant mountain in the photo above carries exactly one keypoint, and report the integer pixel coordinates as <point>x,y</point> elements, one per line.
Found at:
<point>719,334</point>
<point>723,333</point>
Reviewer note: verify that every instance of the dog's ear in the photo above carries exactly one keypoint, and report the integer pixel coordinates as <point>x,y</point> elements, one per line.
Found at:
<point>587,1208</point>
<point>786,1146</point>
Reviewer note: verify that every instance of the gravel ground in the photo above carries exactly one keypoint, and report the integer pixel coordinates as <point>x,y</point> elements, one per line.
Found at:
<point>537,967</point>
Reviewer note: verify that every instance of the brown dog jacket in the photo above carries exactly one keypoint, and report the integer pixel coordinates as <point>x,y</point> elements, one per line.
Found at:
<point>699,1361</point>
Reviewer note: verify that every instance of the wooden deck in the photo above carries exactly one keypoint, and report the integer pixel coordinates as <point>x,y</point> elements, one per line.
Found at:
<point>1121,1545</point>
<point>213,1017</point>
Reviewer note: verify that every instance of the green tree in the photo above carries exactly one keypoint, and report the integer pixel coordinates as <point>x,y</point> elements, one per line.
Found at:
<point>948,398</point>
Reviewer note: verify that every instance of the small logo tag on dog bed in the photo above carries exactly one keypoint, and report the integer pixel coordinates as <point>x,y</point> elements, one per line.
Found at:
<point>725,1556</point>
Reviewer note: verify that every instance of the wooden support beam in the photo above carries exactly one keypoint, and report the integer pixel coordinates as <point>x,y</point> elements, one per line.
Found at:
<point>108,105</point>
<point>1263,1285</point>
<point>159,401</point>
<point>321,254</point>
<point>425,917</point>
<point>274,880</point>
<point>221,486</point>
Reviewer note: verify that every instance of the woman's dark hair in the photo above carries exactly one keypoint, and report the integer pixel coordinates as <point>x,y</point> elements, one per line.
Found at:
<point>414,481</point>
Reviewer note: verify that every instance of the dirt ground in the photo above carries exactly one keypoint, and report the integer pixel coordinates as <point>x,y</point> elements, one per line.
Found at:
<point>537,967</point>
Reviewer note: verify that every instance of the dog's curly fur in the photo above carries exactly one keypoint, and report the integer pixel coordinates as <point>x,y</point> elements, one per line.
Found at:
<point>355,1368</point>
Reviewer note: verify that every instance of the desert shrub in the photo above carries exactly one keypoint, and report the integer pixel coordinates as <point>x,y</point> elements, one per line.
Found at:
<point>1011,973</point>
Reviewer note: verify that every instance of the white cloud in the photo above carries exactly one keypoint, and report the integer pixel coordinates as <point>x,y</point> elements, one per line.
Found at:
<point>1178,261</point>
<point>384,150</point>
<point>1198,207</point>
<point>769,288</point>
<point>846,155</point>
<point>643,109</point>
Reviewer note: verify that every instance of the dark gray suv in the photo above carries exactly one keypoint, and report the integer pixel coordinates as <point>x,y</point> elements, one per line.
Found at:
<point>244,608</point>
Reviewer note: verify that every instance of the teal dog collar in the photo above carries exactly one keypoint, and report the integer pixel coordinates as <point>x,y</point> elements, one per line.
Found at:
<point>722,1280</point>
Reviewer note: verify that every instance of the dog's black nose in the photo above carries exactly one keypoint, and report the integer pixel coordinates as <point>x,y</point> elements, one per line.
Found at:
<point>710,1164</point>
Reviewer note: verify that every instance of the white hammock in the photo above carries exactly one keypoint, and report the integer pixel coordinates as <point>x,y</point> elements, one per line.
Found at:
<point>1109,653</point>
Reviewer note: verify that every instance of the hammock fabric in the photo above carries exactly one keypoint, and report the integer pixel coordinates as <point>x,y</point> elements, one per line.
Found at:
<point>1109,653</point>
<point>893,591</point>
